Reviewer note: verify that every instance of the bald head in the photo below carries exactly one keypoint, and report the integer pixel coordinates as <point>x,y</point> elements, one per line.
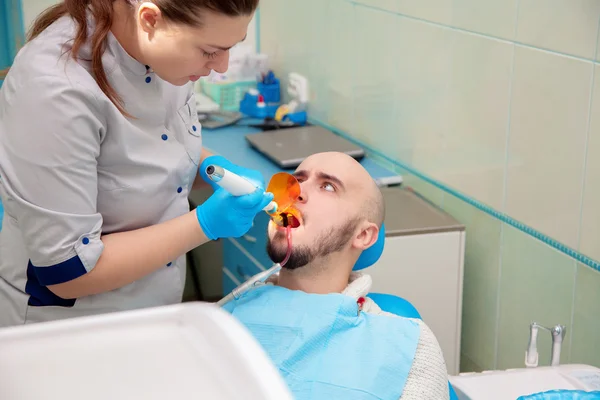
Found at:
<point>341,211</point>
<point>354,178</point>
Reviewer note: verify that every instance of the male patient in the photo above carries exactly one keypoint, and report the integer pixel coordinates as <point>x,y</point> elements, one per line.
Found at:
<point>326,339</point>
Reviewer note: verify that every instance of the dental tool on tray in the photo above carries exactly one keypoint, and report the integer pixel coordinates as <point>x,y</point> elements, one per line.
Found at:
<point>238,186</point>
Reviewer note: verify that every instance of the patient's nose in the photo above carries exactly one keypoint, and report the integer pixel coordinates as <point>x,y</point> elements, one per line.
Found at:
<point>303,196</point>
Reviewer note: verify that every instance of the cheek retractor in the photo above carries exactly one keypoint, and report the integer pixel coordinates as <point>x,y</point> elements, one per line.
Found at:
<point>286,191</point>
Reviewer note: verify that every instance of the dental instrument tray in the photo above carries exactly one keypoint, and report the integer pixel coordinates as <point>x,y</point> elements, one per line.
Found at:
<point>218,119</point>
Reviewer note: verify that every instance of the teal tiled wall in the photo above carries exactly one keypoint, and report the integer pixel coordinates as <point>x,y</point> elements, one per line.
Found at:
<point>495,101</point>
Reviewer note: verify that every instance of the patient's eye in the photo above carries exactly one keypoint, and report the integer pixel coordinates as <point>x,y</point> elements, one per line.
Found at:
<point>329,187</point>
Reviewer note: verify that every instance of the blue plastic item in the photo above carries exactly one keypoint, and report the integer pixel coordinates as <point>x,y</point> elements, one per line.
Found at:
<point>298,118</point>
<point>270,88</point>
<point>395,305</point>
<point>249,106</point>
<point>311,349</point>
<point>270,92</point>
<point>241,210</point>
<point>563,395</point>
<point>238,218</point>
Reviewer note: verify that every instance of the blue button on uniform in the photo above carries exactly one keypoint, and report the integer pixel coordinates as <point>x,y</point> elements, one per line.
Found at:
<point>179,189</point>
<point>194,128</point>
<point>164,137</point>
<point>85,240</point>
<point>148,79</point>
<point>169,264</point>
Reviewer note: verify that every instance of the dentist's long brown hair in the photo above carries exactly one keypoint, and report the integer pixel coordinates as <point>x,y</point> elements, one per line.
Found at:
<point>178,11</point>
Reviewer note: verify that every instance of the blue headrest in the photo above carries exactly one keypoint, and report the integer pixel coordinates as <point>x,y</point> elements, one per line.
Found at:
<point>372,254</point>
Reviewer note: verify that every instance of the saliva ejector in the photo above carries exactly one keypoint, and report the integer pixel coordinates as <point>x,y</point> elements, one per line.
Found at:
<point>286,190</point>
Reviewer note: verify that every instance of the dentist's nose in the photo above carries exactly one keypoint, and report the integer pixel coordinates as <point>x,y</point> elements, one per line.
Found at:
<point>221,64</point>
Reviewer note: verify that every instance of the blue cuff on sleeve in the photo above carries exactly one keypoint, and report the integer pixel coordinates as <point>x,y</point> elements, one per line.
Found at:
<point>60,273</point>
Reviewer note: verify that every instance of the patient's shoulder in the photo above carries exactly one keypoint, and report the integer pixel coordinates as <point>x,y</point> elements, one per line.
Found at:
<point>428,376</point>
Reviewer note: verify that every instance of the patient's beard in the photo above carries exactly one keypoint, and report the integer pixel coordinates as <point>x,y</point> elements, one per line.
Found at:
<point>332,241</point>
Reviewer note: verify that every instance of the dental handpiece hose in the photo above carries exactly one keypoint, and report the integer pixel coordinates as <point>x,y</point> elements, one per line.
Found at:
<point>261,277</point>
<point>234,184</point>
<point>250,284</point>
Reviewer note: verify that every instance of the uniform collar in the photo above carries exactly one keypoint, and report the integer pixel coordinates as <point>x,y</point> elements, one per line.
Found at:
<point>114,53</point>
<point>123,58</point>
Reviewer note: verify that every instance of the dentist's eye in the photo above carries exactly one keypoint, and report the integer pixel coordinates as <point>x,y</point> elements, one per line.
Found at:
<point>208,55</point>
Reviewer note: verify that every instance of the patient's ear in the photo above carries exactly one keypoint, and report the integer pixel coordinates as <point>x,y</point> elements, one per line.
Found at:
<point>366,237</point>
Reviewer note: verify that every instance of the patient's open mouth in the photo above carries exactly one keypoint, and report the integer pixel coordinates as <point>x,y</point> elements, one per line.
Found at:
<point>290,220</point>
<point>290,217</point>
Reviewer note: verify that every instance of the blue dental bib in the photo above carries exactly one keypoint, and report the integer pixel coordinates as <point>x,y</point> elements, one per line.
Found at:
<point>325,348</point>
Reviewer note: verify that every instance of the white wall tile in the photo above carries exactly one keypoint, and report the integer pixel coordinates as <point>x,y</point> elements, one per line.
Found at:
<point>549,115</point>
<point>566,26</point>
<point>388,5</point>
<point>339,63</point>
<point>598,46</point>
<point>423,71</point>
<point>590,218</point>
<point>475,151</point>
<point>439,11</point>
<point>270,26</point>
<point>375,77</point>
<point>492,17</point>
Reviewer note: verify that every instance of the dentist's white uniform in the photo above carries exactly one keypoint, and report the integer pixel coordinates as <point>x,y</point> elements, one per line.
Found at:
<point>72,167</point>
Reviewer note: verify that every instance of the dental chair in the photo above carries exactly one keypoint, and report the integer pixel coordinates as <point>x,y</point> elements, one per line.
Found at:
<point>388,302</point>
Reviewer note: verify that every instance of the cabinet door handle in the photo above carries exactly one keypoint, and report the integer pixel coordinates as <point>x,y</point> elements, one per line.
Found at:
<point>249,238</point>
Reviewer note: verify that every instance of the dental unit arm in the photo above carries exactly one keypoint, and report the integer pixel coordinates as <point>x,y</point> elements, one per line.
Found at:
<point>558,333</point>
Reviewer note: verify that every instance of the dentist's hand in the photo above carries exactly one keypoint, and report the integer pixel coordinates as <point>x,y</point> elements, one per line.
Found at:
<point>224,215</point>
<point>253,176</point>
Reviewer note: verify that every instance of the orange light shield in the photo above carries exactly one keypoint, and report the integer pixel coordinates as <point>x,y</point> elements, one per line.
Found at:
<point>286,191</point>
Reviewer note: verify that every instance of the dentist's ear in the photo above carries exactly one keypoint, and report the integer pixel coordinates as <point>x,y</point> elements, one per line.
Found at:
<point>149,16</point>
<point>367,236</point>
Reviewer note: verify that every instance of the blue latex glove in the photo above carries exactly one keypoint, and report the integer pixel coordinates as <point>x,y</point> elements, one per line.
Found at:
<point>249,174</point>
<point>224,215</point>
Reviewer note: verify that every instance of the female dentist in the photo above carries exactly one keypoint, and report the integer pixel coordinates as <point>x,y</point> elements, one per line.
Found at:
<point>99,147</point>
